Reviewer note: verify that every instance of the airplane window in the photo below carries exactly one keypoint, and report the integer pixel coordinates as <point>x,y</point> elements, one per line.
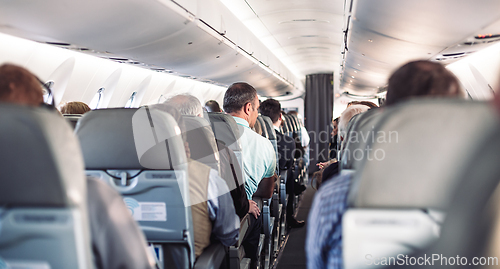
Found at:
<point>48,96</point>
<point>97,99</point>
<point>162,99</point>
<point>131,100</point>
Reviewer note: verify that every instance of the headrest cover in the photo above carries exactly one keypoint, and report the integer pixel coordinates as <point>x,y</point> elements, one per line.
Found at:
<point>201,139</point>
<point>40,159</point>
<point>268,123</point>
<point>260,120</point>
<point>419,146</point>
<point>362,125</point>
<point>129,139</point>
<point>72,119</point>
<point>225,129</point>
<point>289,121</point>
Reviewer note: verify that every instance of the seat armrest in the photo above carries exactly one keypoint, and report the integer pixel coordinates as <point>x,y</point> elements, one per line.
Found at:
<point>212,257</point>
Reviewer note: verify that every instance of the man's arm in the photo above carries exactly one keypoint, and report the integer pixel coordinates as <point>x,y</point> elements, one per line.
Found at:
<point>266,187</point>
<point>226,224</point>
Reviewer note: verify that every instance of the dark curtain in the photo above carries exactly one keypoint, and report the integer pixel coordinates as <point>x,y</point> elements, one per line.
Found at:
<point>318,116</point>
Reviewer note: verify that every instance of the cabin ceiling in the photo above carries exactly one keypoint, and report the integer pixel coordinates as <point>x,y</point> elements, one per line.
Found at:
<point>306,35</point>
<point>384,34</point>
<point>273,44</point>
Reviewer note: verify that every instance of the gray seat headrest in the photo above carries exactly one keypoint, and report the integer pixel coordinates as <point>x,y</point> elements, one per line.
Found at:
<point>268,123</point>
<point>201,140</point>
<point>72,119</point>
<point>130,139</point>
<point>359,128</point>
<point>225,129</point>
<point>40,159</point>
<point>260,120</point>
<point>419,147</point>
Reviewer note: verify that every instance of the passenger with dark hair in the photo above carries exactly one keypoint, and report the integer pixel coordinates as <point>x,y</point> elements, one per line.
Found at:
<point>259,158</point>
<point>19,86</point>
<point>421,78</point>
<point>117,241</point>
<point>75,108</point>
<point>212,106</point>
<point>324,242</point>
<point>286,149</point>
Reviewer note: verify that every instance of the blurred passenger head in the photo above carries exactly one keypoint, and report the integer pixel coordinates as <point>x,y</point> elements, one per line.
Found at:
<point>366,103</point>
<point>212,106</point>
<point>19,86</point>
<point>241,100</point>
<point>272,109</point>
<point>347,116</point>
<point>421,78</point>
<point>75,108</point>
<point>174,112</point>
<point>186,104</point>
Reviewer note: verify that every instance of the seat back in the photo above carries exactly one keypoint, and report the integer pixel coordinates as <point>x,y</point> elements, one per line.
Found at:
<point>268,125</point>
<point>263,126</point>
<point>72,119</point>
<point>471,227</point>
<point>226,130</point>
<point>409,175</point>
<point>288,130</point>
<point>43,209</point>
<point>201,139</point>
<point>358,134</point>
<point>141,154</point>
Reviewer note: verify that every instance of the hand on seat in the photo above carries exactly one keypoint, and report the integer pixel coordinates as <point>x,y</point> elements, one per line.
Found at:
<point>253,208</point>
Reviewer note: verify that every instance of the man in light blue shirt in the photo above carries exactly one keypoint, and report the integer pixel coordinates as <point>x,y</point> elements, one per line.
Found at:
<point>259,158</point>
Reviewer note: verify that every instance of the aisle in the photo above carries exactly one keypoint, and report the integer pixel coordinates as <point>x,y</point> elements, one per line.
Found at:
<point>294,255</point>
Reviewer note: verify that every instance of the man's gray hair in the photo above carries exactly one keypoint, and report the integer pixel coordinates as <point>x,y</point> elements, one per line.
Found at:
<point>186,104</point>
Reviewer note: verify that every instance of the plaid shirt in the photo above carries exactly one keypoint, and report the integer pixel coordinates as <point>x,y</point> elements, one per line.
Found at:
<point>324,228</point>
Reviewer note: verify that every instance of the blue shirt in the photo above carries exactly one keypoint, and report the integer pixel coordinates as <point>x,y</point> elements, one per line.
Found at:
<point>226,224</point>
<point>324,229</point>
<point>259,158</point>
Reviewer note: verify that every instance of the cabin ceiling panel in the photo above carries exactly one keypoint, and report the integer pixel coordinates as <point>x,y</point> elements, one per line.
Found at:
<point>285,25</point>
<point>384,34</point>
<point>262,7</point>
<point>426,22</point>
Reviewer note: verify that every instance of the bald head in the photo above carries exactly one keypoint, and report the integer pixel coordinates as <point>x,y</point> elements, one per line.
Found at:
<point>186,104</point>
<point>19,86</point>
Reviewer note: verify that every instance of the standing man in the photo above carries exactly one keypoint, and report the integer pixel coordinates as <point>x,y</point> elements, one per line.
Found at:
<point>259,158</point>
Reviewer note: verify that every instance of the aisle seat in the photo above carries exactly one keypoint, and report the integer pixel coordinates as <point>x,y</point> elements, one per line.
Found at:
<point>43,200</point>
<point>140,153</point>
<point>398,200</point>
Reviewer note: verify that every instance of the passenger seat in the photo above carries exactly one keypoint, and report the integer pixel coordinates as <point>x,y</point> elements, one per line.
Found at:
<point>43,209</point>
<point>402,192</point>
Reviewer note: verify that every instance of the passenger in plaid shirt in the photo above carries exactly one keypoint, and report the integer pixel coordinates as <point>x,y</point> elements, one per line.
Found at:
<point>324,232</point>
